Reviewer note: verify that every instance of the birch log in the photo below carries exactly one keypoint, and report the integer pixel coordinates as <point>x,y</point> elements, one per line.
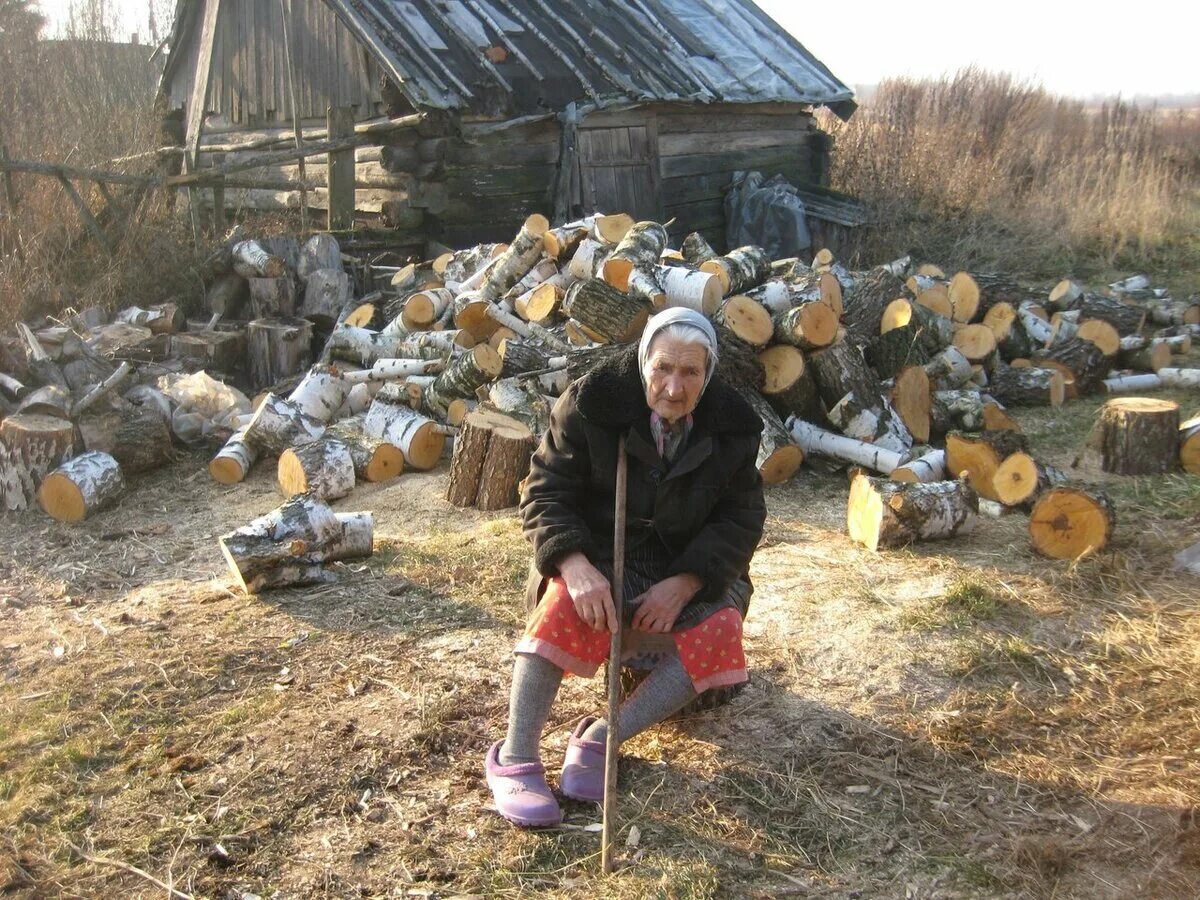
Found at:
<point>81,486</point>
<point>233,461</point>
<point>924,469</point>
<point>374,459</point>
<point>279,424</point>
<point>640,248</point>
<point>418,437</point>
<point>882,513</point>
<point>740,269</point>
<point>518,259</point>
<point>813,440</point>
<point>323,468</point>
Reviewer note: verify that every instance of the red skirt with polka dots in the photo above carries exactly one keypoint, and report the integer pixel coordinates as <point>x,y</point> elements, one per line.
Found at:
<point>711,652</point>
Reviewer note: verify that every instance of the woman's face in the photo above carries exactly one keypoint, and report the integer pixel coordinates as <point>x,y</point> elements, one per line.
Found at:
<point>674,376</point>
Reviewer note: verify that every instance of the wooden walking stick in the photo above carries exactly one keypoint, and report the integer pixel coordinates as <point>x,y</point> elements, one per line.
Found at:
<point>614,665</point>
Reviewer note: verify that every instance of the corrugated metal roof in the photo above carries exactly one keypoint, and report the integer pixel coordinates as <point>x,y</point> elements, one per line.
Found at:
<point>603,51</point>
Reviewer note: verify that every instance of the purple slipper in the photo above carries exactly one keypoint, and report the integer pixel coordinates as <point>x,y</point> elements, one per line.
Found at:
<point>521,793</point>
<point>583,766</point>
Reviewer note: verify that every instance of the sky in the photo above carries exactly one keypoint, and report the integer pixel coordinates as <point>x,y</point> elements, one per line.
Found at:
<point>1072,48</point>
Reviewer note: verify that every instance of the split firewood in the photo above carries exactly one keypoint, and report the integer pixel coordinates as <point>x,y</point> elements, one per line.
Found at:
<point>462,377</point>
<point>883,513</point>
<point>740,269</point>
<point>1027,386</point>
<point>1138,436</point>
<point>696,250</point>
<point>979,456</point>
<point>319,253</point>
<point>292,545</point>
<point>138,437</point>
<point>279,424</point>
<point>250,260</point>
<point>518,259</point>
<point>788,386</point>
<point>1020,480</point>
<point>277,348</point>
<point>963,292</point>
<point>911,395</point>
<point>1083,364</point>
<point>1189,445</point>
<point>871,419</point>
<point>374,459</point>
<point>809,326</point>
<point>1070,522</point>
<point>323,468</point>
<point>81,486</point>
<point>326,294</point>
<point>816,441</point>
<point>640,248</point>
<point>604,311</point>
<point>779,457</point>
<point>491,456</point>
<point>391,419</point>
<point>33,445</point>
<point>924,469</point>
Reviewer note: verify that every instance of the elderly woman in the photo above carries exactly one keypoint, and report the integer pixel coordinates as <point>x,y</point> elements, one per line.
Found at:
<point>695,514</point>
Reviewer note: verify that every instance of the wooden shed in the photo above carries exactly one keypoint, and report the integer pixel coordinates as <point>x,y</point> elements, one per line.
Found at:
<point>501,108</point>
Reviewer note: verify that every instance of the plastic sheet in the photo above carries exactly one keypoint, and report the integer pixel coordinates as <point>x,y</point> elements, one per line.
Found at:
<point>206,411</point>
<point>767,213</point>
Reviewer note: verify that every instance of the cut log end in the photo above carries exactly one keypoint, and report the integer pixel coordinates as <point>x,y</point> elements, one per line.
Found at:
<point>1067,523</point>
<point>781,465</point>
<point>226,470</point>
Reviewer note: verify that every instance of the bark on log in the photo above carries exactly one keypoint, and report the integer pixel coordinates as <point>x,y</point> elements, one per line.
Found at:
<point>320,393</point>
<point>979,456</point>
<point>840,370</point>
<point>696,250</point>
<point>1065,294</point>
<point>325,296</point>
<point>738,362</point>
<point>466,263</point>
<point>323,468</point>
<point>640,248</point>
<point>1124,317</point>
<point>390,419</point>
<point>1020,480</point>
<point>1011,337</point>
<point>896,349</point>
<point>587,259</point>
<point>518,259</point>
<point>1069,522</point>
<point>871,419</point>
<point>1189,446</point>
<point>1180,378</point>
<point>1082,363</point>
<point>290,545</point>
<point>491,457</point>
<point>522,401</point>
<point>164,318</point>
<point>277,349</point>
<point>279,424</point>
<point>605,311</point>
<point>320,252</point>
<point>816,441</point>
<point>374,460</point>
<point>883,513</point>
<point>518,357</point>
<point>462,377</point>
<point>233,462</point>
<point>560,243</point>
<point>949,369</point>
<point>81,486</point>
<point>923,470</point>
<point>138,437</point>
<point>1132,384</point>
<point>958,410</point>
<point>272,297</point>
<point>740,269</point>
<point>778,455</point>
<point>1138,436</point>
<point>866,301</point>
<point>250,260</point>
<point>788,386</point>
<point>1027,386</point>
<point>31,446</point>
<point>934,331</point>
<point>227,295</point>
<point>217,351</point>
<point>1171,312</point>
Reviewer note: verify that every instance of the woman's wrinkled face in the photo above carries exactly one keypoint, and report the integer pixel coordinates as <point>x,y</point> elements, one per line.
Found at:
<point>674,376</point>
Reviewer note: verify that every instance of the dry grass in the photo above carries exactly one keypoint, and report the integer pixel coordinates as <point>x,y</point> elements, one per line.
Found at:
<point>981,171</point>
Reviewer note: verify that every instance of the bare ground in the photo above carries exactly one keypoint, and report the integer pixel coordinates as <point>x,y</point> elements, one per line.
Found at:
<point>960,720</point>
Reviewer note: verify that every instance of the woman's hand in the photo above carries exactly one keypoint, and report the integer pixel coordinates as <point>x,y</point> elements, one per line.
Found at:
<point>590,592</point>
<point>661,605</point>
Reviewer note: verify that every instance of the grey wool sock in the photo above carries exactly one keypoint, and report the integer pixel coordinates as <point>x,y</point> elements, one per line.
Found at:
<point>534,687</point>
<point>666,690</point>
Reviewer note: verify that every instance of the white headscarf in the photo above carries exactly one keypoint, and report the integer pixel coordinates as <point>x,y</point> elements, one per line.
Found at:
<point>679,316</point>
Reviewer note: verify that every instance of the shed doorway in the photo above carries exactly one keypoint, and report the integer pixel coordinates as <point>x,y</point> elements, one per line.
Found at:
<point>618,168</point>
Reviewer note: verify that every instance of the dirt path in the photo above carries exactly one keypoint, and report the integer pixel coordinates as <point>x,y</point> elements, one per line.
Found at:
<point>963,720</point>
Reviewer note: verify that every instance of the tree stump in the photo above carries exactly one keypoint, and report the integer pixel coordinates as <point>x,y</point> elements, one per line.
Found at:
<point>1020,480</point>
<point>323,468</point>
<point>1068,522</point>
<point>272,297</point>
<point>31,446</point>
<point>1138,436</point>
<point>980,456</point>
<point>290,545</point>
<point>374,459</point>
<point>883,513</point>
<point>277,348</point>
<point>491,457</point>
<point>81,486</point>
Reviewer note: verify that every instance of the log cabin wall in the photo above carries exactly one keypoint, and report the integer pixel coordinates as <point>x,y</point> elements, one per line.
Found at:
<point>249,87</point>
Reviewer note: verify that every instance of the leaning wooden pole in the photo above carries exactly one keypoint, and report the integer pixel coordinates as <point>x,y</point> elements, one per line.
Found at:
<point>614,666</point>
<point>291,71</point>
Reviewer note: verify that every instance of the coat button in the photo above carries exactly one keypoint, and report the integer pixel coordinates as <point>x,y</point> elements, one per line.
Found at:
<point>656,475</point>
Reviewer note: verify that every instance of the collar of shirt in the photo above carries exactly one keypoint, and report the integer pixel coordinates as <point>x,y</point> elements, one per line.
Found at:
<point>667,438</point>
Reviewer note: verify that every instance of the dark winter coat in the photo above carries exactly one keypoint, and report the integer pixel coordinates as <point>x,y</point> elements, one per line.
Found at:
<point>706,507</point>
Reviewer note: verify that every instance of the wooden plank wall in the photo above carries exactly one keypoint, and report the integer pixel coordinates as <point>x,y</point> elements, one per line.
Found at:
<point>249,72</point>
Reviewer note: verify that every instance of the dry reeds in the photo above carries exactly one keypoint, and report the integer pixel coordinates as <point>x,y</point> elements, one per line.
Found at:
<point>979,170</point>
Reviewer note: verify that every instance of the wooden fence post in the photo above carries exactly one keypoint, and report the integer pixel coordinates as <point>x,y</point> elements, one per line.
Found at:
<point>341,170</point>
<point>218,197</point>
